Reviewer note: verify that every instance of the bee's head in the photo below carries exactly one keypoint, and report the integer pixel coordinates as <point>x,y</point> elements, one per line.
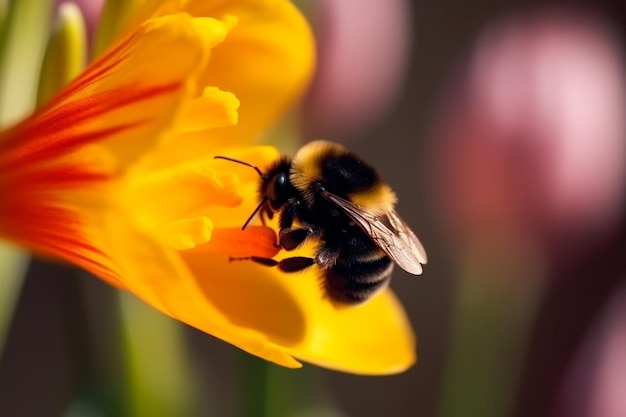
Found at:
<point>275,186</point>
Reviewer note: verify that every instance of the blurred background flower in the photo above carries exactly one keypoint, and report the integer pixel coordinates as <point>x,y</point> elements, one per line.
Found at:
<point>532,138</point>
<point>530,158</point>
<point>363,59</point>
<point>90,10</point>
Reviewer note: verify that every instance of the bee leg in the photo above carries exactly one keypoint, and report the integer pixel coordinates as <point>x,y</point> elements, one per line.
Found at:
<point>290,239</point>
<point>257,259</point>
<point>294,264</point>
<point>266,212</point>
<point>288,215</point>
<point>327,256</point>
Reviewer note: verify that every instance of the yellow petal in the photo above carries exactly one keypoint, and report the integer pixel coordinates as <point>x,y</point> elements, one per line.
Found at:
<point>215,108</point>
<point>294,314</point>
<point>125,101</point>
<point>117,175</point>
<point>165,282</point>
<point>274,35</point>
<point>178,192</point>
<point>201,187</point>
<point>56,165</point>
<point>270,314</point>
<point>187,233</point>
<point>266,61</point>
<point>374,338</point>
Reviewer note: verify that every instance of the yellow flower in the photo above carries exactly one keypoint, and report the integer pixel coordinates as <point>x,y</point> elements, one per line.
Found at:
<point>116,174</point>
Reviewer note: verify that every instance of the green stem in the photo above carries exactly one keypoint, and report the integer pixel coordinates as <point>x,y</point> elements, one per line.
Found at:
<point>272,391</point>
<point>14,263</point>
<point>254,401</point>
<point>494,311</point>
<point>160,377</point>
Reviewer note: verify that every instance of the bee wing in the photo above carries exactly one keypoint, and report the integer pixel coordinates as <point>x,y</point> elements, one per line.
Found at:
<point>389,232</point>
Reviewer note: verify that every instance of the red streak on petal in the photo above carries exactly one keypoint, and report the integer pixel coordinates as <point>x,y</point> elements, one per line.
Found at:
<point>55,231</point>
<point>58,132</point>
<point>61,177</point>
<point>62,147</point>
<point>104,66</point>
<point>36,207</point>
<point>81,112</point>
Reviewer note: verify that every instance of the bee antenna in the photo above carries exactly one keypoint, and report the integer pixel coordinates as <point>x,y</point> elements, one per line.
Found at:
<point>256,210</point>
<point>256,168</point>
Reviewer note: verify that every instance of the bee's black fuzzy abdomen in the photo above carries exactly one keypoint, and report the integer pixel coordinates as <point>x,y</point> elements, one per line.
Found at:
<point>355,282</point>
<point>359,268</point>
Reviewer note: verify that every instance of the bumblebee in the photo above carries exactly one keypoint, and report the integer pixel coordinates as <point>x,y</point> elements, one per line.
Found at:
<point>329,195</point>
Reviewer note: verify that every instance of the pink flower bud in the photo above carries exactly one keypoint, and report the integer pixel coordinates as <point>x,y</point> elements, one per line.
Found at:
<point>363,56</point>
<point>532,135</point>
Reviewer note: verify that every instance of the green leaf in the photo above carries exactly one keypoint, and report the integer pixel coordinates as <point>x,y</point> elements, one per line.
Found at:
<point>114,18</point>
<point>161,378</point>
<point>22,45</point>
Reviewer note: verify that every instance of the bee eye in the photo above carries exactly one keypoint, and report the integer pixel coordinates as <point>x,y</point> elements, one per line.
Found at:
<point>276,191</point>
